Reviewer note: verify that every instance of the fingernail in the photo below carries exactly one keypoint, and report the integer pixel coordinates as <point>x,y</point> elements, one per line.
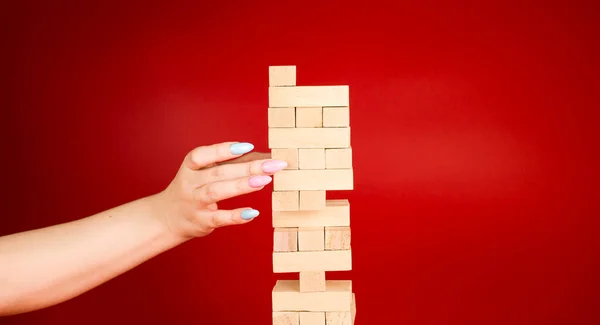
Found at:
<point>249,214</point>
<point>272,166</point>
<point>241,148</point>
<point>258,181</point>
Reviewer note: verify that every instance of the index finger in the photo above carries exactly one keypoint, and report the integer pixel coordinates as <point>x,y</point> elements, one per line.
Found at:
<point>203,156</point>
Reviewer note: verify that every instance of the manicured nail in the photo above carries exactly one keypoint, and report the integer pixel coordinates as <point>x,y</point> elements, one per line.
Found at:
<point>272,166</point>
<point>249,214</point>
<point>258,181</point>
<point>241,148</point>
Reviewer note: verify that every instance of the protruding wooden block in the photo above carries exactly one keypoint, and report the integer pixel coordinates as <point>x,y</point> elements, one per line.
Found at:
<point>336,213</point>
<point>342,317</point>
<point>312,318</point>
<point>336,116</point>
<point>312,281</point>
<point>289,155</point>
<point>311,158</point>
<point>309,138</point>
<point>337,238</point>
<point>285,240</point>
<point>286,318</point>
<point>291,262</point>
<point>302,96</point>
<point>338,158</point>
<point>286,296</point>
<point>311,239</point>
<point>314,180</point>
<point>309,117</point>
<point>312,200</point>
<point>285,200</point>
<point>282,117</point>
<point>282,75</point>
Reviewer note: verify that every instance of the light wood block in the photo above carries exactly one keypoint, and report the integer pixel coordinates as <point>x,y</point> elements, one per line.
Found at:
<point>311,239</point>
<point>309,138</point>
<point>282,117</point>
<point>309,117</point>
<point>312,318</point>
<point>313,281</point>
<point>282,75</point>
<point>311,158</point>
<point>342,317</point>
<point>314,180</point>
<point>289,155</point>
<point>286,318</point>
<point>337,238</point>
<point>302,96</point>
<point>338,158</point>
<point>285,200</point>
<point>312,200</point>
<point>336,116</point>
<point>335,214</point>
<point>286,296</point>
<point>290,262</point>
<point>285,240</point>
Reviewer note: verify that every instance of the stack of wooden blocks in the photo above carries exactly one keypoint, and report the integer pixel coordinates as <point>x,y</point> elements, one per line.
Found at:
<point>309,128</point>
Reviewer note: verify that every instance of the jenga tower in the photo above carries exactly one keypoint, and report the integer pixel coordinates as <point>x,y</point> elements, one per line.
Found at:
<point>309,127</point>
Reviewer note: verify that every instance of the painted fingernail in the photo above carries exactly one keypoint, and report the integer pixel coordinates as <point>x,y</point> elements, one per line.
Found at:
<point>241,148</point>
<point>249,214</point>
<point>258,181</point>
<point>272,166</point>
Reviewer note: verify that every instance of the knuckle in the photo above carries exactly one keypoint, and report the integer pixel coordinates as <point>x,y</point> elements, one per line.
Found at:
<point>210,193</point>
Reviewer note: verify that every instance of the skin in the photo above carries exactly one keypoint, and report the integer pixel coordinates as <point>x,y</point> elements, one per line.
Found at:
<point>44,267</point>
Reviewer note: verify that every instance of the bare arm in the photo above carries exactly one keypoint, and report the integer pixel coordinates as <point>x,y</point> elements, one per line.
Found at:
<point>44,267</point>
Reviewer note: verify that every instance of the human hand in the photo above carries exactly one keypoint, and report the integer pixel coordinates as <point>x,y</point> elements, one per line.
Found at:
<point>209,174</point>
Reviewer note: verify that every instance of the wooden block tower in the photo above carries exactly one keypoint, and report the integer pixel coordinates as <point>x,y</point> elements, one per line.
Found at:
<point>309,127</point>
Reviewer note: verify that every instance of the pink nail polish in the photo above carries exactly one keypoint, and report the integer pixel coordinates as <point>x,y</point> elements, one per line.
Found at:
<point>273,166</point>
<point>258,181</point>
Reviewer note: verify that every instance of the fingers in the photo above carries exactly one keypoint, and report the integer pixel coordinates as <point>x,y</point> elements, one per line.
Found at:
<point>222,190</point>
<point>233,171</point>
<point>204,156</point>
<point>222,218</point>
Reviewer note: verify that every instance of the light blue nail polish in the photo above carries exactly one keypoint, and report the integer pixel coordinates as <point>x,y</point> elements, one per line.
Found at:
<point>249,214</point>
<point>241,148</point>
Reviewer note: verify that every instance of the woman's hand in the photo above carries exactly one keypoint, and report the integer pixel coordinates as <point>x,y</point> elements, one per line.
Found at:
<point>209,174</point>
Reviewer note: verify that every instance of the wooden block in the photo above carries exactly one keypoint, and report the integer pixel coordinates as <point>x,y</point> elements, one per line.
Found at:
<point>302,96</point>
<point>311,239</point>
<point>282,75</point>
<point>291,262</point>
<point>285,200</point>
<point>335,214</point>
<point>337,238</point>
<point>314,180</point>
<point>338,318</point>
<point>311,158</point>
<point>309,117</point>
<point>286,318</point>
<point>285,240</point>
<point>353,307</point>
<point>282,117</point>
<point>312,318</point>
<point>312,200</point>
<point>338,158</point>
<point>313,281</point>
<point>286,296</point>
<point>289,155</point>
<point>336,116</point>
<point>309,138</point>
<point>342,317</point>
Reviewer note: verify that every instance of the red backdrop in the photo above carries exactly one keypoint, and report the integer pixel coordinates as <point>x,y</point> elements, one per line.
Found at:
<point>474,129</point>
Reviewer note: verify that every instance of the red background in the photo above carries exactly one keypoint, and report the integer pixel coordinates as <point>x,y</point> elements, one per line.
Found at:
<point>474,129</point>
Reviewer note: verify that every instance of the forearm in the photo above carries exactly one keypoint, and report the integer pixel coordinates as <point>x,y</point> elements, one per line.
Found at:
<point>46,266</point>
